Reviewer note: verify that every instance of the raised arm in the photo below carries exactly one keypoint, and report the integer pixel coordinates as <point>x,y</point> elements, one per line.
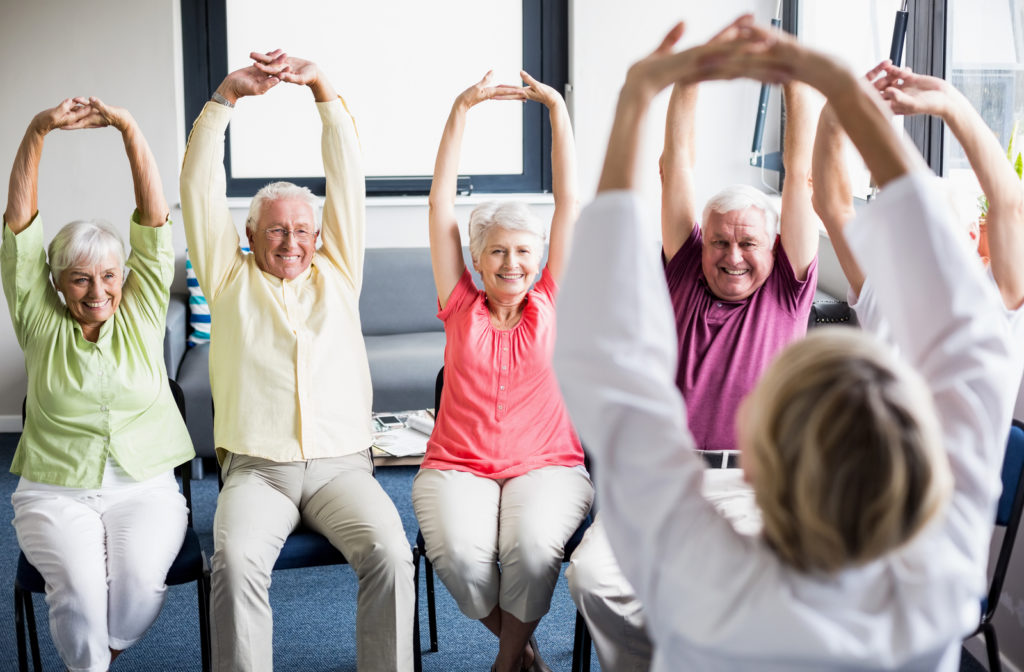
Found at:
<point>445,242</point>
<point>911,93</point>
<point>23,189</point>
<point>678,160</point>
<point>798,227</point>
<point>832,194</point>
<point>564,185</point>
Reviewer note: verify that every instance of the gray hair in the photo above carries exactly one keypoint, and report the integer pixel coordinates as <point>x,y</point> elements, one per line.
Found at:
<point>511,215</point>
<point>276,191</point>
<point>741,197</point>
<point>84,243</point>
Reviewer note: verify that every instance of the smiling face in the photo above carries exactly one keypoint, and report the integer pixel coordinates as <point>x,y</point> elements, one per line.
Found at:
<point>508,263</point>
<point>285,238</point>
<point>737,256</point>
<point>92,293</point>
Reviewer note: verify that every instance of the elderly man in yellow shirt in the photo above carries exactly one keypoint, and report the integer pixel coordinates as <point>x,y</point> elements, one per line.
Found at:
<point>291,382</point>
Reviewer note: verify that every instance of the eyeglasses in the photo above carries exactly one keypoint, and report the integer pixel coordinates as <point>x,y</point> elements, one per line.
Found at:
<point>280,233</point>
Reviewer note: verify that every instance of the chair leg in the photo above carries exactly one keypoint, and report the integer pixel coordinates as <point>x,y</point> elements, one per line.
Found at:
<point>992,648</point>
<point>33,636</point>
<point>203,593</point>
<point>581,646</point>
<point>19,630</point>
<point>431,605</point>
<point>417,649</point>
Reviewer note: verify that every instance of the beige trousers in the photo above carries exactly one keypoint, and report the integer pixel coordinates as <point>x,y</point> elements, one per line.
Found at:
<point>605,598</point>
<point>472,525</point>
<point>260,504</point>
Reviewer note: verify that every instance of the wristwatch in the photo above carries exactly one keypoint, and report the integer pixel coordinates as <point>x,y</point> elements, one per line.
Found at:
<point>217,98</point>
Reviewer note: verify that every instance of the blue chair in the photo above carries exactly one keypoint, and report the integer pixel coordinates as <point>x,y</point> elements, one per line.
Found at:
<point>581,639</point>
<point>1008,515</point>
<point>190,565</point>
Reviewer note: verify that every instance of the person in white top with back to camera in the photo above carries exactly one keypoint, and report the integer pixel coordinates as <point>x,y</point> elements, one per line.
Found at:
<point>877,477</point>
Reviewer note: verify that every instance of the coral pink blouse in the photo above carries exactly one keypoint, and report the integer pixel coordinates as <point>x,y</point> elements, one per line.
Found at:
<point>503,411</point>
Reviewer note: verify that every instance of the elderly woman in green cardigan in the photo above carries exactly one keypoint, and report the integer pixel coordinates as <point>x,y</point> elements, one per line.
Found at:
<point>97,509</point>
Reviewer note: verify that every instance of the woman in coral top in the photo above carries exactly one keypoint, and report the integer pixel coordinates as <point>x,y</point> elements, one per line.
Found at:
<point>503,486</point>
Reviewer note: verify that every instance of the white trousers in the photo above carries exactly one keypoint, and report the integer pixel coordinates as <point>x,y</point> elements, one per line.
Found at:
<point>471,525</point>
<point>104,555</point>
<point>259,506</point>
<point>605,598</point>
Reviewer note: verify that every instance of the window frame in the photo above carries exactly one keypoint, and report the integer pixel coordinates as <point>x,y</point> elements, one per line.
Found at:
<point>545,51</point>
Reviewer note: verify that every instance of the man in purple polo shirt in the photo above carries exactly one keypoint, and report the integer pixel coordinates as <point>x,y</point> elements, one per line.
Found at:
<point>742,286</point>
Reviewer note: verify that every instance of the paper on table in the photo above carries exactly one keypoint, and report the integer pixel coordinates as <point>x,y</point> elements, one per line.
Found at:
<point>420,423</point>
<point>401,442</point>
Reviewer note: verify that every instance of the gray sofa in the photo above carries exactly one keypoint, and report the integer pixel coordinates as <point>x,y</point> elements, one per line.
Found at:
<point>404,340</point>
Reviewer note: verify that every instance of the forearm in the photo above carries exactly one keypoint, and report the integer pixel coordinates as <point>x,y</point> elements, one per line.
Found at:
<point>620,161</point>
<point>444,185</point>
<point>209,228</point>
<point>322,89</point>
<point>564,188</point>
<point>832,194</point>
<point>149,193</point>
<point>23,188</point>
<point>678,159</point>
<point>867,125</point>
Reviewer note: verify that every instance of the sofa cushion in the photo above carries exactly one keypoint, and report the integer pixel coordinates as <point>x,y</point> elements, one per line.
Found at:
<point>403,368</point>
<point>398,294</point>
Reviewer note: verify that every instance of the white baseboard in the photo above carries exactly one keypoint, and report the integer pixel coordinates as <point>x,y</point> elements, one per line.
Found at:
<point>10,423</point>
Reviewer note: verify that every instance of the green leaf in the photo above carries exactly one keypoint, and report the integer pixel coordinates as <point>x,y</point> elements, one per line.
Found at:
<point>1018,165</point>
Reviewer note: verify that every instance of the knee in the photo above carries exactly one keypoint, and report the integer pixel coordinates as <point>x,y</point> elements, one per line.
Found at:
<point>582,575</point>
<point>388,551</point>
<point>237,561</point>
<point>535,558</point>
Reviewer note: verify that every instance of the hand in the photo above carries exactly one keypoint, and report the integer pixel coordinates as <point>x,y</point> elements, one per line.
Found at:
<point>732,53</point>
<point>540,92</point>
<point>910,93</point>
<point>248,81</point>
<point>101,115</point>
<point>67,115</point>
<point>287,68</point>
<point>483,90</point>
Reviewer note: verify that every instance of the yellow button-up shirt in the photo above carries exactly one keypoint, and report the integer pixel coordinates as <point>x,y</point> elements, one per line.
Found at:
<point>288,363</point>
<point>89,401</point>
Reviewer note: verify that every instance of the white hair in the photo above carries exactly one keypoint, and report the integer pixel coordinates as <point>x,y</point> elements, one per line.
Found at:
<point>276,191</point>
<point>511,215</point>
<point>84,243</point>
<point>741,197</point>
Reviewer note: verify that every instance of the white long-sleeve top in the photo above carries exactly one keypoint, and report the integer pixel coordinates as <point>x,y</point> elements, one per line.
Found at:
<point>717,600</point>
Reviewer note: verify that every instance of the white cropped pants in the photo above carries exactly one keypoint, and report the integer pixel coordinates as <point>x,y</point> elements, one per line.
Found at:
<point>104,555</point>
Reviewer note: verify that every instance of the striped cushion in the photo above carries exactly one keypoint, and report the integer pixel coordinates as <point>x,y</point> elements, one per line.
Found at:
<point>198,309</point>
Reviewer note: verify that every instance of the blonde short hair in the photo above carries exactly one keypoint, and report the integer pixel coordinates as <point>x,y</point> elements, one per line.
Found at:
<point>847,461</point>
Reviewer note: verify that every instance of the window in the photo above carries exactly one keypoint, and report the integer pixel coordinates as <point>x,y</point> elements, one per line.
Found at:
<point>399,64</point>
<point>985,47</point>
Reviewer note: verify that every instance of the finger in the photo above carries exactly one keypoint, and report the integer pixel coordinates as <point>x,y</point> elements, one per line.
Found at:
<point>878,70</point>
<point>527,78</point>
<point>670,39</point>
<point>730,31</point>
<point>268,57</point>
<point>272,68</point>
<point>485,80</point>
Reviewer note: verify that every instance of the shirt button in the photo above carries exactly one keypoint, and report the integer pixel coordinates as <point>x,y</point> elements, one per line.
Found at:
<point>504,368</point>
<point>501,387</point>
<point>500,407</point>
<point>104,408</point>
<point>504,349</point>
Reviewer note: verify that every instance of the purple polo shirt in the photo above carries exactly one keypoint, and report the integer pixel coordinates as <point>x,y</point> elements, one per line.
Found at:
<point>725,345</point>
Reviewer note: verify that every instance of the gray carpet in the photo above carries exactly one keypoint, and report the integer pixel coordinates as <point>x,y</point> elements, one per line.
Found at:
<point>314,611</point>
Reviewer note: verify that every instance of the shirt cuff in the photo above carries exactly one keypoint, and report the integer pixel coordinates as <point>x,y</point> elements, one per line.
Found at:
<point>214,116</point>
<point>29,238</point>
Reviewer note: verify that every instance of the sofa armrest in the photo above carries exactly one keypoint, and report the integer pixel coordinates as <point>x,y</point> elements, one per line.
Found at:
<point>175,333</point>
